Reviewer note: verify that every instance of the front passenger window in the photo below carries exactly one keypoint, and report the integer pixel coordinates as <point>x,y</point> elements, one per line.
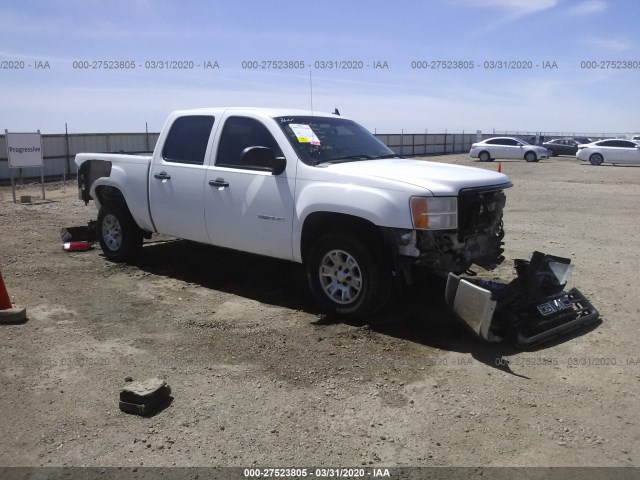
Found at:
<point>239,133</point>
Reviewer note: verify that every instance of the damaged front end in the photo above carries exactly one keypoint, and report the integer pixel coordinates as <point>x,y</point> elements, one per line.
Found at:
<point>475,240</point>
<point>532,309</point>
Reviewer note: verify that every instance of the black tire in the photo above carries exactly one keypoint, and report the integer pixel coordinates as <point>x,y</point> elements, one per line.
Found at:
<point>485,157</point>
<point>551,153</point>
<point>596,159</point>
<point>120,238</point>
<point>531,157</point>
<point>347,276</point>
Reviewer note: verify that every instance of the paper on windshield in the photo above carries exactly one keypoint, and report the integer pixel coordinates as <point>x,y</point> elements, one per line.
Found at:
<point>304,133</point>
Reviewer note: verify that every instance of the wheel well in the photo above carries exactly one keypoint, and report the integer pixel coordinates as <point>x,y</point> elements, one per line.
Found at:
<point>531,151</point>
<point>319,223</point>
<point>484,151</point>
<point>107,194</point>
<point>89,172</point>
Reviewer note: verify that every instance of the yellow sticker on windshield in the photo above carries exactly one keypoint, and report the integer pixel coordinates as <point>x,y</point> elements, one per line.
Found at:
<point>304,133</point>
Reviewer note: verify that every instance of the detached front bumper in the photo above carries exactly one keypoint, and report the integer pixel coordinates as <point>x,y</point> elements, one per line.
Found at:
<point>530,310</point>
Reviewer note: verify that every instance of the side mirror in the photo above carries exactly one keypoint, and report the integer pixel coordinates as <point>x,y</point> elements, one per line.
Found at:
<point>263,158</point>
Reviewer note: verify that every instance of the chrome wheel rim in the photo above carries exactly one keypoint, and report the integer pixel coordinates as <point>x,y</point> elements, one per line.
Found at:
<point>111,232</point>
<point>340,277</point>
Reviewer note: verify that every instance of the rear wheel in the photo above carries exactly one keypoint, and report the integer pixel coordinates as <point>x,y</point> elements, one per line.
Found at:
<point>347,276</point>
<point>530,157</point>
<point>596,159</point>
<point>119,236</point>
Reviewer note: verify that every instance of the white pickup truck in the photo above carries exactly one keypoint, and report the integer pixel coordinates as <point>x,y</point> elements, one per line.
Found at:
<point>312,188</point>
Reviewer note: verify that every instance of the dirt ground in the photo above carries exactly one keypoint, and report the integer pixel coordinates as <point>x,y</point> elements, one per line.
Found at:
<point>260,378</point>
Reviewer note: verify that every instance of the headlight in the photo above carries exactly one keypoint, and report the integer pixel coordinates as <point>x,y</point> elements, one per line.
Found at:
<point>434,213</point>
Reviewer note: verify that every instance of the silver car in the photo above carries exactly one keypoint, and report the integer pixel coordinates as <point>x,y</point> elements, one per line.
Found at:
<point>612,150</point>
<point>507,147</point>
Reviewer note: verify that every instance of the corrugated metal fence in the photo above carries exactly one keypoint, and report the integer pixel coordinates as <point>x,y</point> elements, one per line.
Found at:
<point>418,144</point>
<point>59,151</point>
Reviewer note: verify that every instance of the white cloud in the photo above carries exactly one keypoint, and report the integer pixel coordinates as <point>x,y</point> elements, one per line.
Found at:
<point>510,10</point>
<point>589,7</point>
<point>516,8</point>
<point>613,44</point>
<point>12,55</point>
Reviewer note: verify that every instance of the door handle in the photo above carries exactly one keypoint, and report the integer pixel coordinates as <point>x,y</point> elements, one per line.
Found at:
<point>219,182</point>
<point>162,176</point>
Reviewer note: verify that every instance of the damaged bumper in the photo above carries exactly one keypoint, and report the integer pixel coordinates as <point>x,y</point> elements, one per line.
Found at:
<point>532,309</point>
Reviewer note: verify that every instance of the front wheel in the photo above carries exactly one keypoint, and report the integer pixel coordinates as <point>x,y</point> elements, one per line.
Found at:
<point>530,157</point>
<point>596,159</point>
<point>346,276</point>
<point>552,153</point>
<point>484,157</point>
<point>119,236</point>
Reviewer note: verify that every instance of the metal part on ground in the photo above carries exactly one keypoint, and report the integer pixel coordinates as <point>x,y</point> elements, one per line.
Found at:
<point>530,310</point>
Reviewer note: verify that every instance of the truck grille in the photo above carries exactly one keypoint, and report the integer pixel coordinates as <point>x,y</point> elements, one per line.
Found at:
<point>480,211</point>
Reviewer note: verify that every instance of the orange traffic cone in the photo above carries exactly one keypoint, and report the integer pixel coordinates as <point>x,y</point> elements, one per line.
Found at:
<point>9,314</point>
<point>499,167</point>
<point>5,302</point>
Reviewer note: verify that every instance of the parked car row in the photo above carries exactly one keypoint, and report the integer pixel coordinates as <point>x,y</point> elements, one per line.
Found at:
<point>613,150</point>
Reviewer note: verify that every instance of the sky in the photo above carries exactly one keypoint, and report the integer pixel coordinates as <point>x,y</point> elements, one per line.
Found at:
<point>413,66</point>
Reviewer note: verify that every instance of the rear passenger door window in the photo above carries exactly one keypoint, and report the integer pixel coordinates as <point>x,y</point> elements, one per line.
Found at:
<point>187,140</point>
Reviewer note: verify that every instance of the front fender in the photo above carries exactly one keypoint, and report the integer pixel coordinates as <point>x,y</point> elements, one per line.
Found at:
<point>381,207</point>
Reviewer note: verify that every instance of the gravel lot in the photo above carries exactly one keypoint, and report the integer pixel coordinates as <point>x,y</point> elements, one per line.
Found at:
<point>260,378</point>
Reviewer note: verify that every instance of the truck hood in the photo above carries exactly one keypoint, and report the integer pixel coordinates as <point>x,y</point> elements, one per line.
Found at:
<point>439,178</point>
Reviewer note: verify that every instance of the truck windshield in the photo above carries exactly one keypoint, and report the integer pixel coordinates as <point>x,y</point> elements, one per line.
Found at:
<point>331,140</point>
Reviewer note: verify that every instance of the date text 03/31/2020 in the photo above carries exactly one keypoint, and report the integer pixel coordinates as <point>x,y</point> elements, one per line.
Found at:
<point>316,472</point>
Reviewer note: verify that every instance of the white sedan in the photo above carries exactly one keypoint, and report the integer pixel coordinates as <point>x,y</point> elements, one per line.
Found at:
<point>507,147</point>
<point>612,150</point>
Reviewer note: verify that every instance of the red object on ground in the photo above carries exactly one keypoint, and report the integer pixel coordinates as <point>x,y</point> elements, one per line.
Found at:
<point>77,246</point>
<point>5,302</point>
<point>499,167</point>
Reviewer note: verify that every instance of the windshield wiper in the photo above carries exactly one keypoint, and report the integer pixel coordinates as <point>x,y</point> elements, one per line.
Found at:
<point>391,155</point>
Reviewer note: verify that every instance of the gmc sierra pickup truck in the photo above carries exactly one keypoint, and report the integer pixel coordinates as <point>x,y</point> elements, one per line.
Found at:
<point>308,187</point>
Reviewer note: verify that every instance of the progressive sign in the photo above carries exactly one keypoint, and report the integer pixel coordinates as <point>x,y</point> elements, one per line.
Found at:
<point>24,149</point>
